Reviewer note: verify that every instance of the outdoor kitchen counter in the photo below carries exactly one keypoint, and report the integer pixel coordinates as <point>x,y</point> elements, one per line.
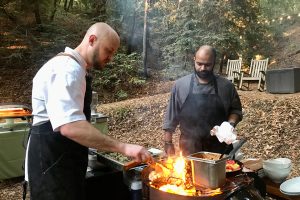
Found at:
<point>274,191</point>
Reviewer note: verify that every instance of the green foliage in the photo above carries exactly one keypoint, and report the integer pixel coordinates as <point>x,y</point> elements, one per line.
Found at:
<point>122,113</point>
<point>121,95</point>
<point>230,26</point>
<point>120,76</point>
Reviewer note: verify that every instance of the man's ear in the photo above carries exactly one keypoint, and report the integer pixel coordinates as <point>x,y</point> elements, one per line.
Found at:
<point>92,39</point>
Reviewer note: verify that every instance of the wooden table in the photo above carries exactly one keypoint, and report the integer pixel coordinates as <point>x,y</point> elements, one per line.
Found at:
<point>274,191</point>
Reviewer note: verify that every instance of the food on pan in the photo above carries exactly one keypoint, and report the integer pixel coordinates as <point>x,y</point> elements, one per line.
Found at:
<point>232,166</point>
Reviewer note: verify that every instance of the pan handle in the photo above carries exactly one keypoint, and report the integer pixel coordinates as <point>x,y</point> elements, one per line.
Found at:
<point>131,164</point>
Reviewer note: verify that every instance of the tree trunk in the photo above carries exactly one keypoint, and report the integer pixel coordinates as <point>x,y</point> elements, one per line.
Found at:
<point>54,10</point>
<point>131,34</point>
<point>66,5</point>
<point>37,12</point>
<point>145,40</point>
<point>100,9</point>
<point>70,5</point>
<point>223,56</point>
<point>9,15</point>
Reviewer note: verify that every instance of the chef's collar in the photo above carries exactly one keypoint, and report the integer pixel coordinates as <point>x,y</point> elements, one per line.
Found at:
<point>77,56</point>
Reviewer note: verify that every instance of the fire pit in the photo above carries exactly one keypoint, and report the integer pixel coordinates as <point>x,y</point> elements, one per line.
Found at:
<point>172,179</point>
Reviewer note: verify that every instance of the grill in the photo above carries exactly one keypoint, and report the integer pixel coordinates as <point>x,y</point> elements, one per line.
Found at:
<point>15,120</point>
<point>136,184</point>
<point>239,187</point>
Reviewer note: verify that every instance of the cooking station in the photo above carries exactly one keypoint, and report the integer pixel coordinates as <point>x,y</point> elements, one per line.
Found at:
<point>134,183</point>
<point>129,180</point>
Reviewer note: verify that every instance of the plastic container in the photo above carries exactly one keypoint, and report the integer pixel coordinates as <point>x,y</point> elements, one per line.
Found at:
<point>285,80</point>
<point>13,138</point>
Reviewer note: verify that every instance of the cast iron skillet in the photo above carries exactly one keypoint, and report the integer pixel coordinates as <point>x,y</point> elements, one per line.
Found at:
<point>231,157</point>
<point>236,172</point>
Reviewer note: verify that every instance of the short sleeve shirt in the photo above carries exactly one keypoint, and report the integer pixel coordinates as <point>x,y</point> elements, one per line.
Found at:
<point>58,91</point>
<point>180,91</point>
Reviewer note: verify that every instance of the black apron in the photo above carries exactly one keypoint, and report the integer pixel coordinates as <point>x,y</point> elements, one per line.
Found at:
<point>57,165</point>
<point>199,114</point>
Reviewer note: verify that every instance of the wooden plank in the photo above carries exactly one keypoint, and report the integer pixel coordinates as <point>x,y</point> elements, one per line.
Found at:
<point>273,190</point>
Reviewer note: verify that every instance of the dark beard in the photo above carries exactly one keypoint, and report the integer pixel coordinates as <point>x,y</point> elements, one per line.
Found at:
<point>207,75</point>
<point>96,64</point>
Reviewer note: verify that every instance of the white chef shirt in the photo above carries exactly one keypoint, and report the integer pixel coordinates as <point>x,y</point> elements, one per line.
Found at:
<point>58,91</point>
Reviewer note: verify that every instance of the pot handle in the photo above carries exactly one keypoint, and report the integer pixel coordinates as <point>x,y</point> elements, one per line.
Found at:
<point>131,164</point>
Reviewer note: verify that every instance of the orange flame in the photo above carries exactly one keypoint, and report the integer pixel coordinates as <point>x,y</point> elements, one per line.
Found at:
<point>174,176</point>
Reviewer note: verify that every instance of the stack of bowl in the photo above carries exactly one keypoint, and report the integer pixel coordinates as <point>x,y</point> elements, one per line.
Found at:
<point>277,169</point>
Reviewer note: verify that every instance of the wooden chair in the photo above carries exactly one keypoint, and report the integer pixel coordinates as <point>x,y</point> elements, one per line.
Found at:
<point>257,72</point>
<point>233,70</point>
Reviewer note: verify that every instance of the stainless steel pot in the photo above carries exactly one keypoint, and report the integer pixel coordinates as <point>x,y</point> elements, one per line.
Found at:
<point>208,170</point>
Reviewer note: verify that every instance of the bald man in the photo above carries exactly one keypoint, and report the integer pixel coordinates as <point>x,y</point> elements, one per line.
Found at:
<point>198,102</point>
<point>57,153</point>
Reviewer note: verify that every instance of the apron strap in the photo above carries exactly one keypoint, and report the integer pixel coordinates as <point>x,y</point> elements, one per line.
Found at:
<point>24,184</point>
<point>215,85</point>
<point>70,55</point>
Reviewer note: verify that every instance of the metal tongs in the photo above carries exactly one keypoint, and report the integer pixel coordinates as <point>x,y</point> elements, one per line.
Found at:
<point>234,150</point>
<point>131,164</point>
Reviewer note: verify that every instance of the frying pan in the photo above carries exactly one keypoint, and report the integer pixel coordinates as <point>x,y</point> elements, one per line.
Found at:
<point>234,173</point>
<point>231,157</point>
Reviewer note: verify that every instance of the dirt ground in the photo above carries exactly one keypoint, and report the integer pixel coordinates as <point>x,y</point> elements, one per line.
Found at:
<point>271,125</point>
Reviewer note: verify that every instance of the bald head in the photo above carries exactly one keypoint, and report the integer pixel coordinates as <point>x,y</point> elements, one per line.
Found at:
<point>99,45</point>
<point>103,32</point>
<point>208,50</point>
<point>204,63</point>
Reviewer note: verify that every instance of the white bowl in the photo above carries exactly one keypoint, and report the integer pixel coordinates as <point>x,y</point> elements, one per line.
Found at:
<point>277,175</point>
<point>278,163</point>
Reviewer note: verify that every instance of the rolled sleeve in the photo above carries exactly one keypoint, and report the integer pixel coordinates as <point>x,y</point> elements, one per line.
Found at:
<point>230,97</point>
<point>236,106</point>
<point>171,114</point>
<point>64,102</point>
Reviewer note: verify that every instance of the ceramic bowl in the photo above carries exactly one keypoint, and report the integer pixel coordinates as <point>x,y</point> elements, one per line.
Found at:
<point>277,175</point>
<point>278,163</point>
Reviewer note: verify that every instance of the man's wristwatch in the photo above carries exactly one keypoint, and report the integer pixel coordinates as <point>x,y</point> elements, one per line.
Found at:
<point>168,143</point>
<point>232,124</point>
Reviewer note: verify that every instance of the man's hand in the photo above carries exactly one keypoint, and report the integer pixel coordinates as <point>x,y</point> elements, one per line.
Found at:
<point>225,133</point>
<point>137,152</point>
<point>169,148</point>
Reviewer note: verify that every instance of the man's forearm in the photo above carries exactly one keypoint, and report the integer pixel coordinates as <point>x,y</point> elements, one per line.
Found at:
<point>168,137</point>
<point>85,134</point>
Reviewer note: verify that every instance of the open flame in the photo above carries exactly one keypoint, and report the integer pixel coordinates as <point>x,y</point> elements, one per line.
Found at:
<point>174,176</point>
<point>14,112</point>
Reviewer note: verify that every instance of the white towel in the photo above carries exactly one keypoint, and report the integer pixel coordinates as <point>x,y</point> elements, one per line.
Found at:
<point>225,133</point>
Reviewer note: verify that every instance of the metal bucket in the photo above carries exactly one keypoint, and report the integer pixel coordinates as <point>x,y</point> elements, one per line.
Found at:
<point>208,170</point>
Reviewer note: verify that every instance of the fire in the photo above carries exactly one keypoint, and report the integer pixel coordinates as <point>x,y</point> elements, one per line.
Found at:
<point>174,176</point>
<point>179,168</point>
<point>14,112</point>
<point>177,190</point>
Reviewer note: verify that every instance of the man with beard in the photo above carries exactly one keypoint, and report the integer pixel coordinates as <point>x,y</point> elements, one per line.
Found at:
<point>199,102</point>
<point>57,153</point>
